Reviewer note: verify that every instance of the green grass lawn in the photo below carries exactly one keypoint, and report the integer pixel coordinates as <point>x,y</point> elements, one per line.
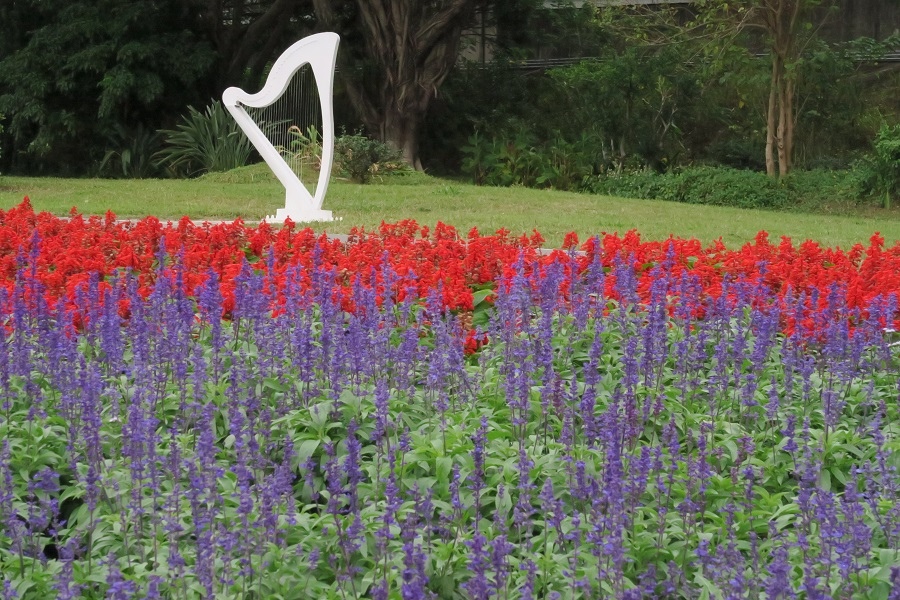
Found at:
<point>251,193</point>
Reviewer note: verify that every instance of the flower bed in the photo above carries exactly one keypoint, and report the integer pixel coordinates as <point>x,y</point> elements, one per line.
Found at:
<point>648,419</point>
<point>63,253</point>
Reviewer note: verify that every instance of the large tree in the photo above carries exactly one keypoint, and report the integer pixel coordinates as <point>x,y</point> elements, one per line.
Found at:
<point>786,28</point>
<point>781,21</point>
<point>79,75</point>
<point>248,34</point>
<point>82,68</point>
<point>403,53</point>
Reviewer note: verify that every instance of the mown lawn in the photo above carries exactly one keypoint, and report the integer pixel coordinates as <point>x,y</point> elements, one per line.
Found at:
<point>251,193</point>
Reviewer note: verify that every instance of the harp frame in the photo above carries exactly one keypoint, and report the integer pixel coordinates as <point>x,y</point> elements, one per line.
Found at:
<point>319,51</point>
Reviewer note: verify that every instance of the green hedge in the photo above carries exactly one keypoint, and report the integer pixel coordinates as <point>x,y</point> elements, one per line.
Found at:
<point>715,186</point>
<point>723,186</point>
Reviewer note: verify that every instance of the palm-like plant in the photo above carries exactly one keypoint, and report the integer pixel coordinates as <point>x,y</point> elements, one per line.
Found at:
<point>133,153</point>
<point>204,142</point>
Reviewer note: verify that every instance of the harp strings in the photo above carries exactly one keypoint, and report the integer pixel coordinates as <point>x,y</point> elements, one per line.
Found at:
<point>293,124</point>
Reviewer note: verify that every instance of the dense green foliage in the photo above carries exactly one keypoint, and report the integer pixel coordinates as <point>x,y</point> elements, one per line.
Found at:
<point>90,69</point>
<point>887,162</point>
<point>658,96</point>
<point>359,157</point>
<point>718,186</point>
<point>205,142</point>
<point>522,160</point>
<point>133,156</point>
<point>85,86</point>
<point>703,185</point>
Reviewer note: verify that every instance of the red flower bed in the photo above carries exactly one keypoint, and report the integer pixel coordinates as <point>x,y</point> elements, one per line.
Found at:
<point>69,250</point>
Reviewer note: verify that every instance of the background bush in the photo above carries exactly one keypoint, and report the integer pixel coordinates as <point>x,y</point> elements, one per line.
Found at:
<point>520,158</point>
<point>886,162</point>
<point>359,157</point>
<point>132,153</point>
<point>205,142</point>
<point>721,186</point>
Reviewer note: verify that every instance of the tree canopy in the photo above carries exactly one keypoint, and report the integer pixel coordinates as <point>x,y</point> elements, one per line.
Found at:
<point>79,75</point>
<point>88,65</point>
<point>76,73</point>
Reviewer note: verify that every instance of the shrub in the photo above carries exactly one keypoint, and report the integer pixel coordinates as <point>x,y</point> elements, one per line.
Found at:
<point>715,186</point>
<point>635,184</point>
<point>359,157</point>
<point>887,162</point>
<point>729,187</point>
<point>205,141</point>
<point>504,160</point>
<point>133,155</point>
<point>877,176</point>
<point>518,159</point>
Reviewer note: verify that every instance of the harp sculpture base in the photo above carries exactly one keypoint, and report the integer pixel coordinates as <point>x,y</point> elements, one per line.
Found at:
<point>300,216</point>
<point>300,210</point>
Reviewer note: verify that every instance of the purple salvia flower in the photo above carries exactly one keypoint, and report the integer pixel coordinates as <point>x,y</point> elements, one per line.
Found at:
<point>637,476</point>
<point>477,480</point>
<point>382,415</point>
<point>111,327</point>
<point>209,301</point>
<point>12,525</point>
<point>351,465</point>
<point>523,509</point>
<point>527,591</point>
<point>628,392</point>
<point>380,590</point>
<point>5,367</point>
<point>43,506</point>
<point>65,586</point>
<point>153,584</point>
<point>404,444</point>
<point>895,584</point>
<point>654,332</point>
<point>118,588</point>
<point>393,503</point>
<point>788,434</point>
<point>574,537</point>
<point>626,283</point>
<point>478,586</point>
<point>455,500</point>
<point>774,403</point>
<point>777,583</point>
<point>414,584</point>
<point>553,509</point>
<point>501,549</point>
<point>7,591</point>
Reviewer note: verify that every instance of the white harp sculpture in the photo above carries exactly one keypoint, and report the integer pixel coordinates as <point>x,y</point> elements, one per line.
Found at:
<point>319,52</point>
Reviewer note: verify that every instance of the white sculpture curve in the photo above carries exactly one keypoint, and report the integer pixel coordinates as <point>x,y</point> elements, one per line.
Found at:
<point>319,51</point>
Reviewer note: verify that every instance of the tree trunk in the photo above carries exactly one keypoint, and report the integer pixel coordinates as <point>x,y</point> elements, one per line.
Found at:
<point>783,118</point>
<point>414,45</point>
<point>790,120</point>
<point>780,18</point>
<point>402,134</point>
<point>770,120</point>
